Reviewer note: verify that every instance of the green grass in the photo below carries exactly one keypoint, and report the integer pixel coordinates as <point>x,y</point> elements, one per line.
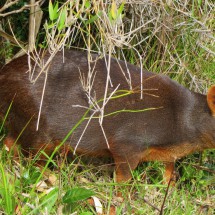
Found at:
<point>75,182</point>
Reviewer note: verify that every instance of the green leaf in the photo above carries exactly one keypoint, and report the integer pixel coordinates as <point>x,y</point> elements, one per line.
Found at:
<point>120,10</point>
<point>62,20</point>
<point>49,200</point>
<point>51,11</point>
<point>110,17</point>
<point>92,19</point>
<point>113,10</point>
<point>30,176</point>
<point>55,11</point>
<point>86,213</point>
<point>53,14</point>
<point>87,4</point>
<point>77,194</point>
<point>199,3</point>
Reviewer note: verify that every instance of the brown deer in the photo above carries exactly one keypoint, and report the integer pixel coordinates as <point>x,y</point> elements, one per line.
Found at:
<point>168,123</point>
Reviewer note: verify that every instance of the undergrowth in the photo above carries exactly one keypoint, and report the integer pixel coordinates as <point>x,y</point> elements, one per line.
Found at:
<point>71,187</point>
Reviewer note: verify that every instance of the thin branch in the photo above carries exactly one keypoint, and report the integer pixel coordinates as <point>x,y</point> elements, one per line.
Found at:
<point>167,191</point>
<point>150,204</point>
<point>19,10</point>
<point>201,167</point>
<point>10,38</point>
<point>6,6</point>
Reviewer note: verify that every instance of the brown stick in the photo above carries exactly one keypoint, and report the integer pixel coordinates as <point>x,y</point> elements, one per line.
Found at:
<point>10,38</point>
<point>167,190</point>
<point>201,167</point>
<point>6,6</point>
<point>150,204</point>
<point>19,10</point>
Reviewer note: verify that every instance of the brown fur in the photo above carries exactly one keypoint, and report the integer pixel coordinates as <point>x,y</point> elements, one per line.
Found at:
<point>211,99</point>
<point>178,123</point>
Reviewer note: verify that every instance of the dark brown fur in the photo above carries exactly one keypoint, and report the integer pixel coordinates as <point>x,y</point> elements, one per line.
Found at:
<point>181,122</point>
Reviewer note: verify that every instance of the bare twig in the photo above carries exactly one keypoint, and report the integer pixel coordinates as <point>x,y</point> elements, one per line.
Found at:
<point>201,167</point>
<point>19,10</point>
<point>10,38</point>
<point>166,193</point>
<point>6,6</point>
<point>150,204</point>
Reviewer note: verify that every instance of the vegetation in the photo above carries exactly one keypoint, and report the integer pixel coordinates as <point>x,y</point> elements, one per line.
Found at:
<point>174,37</point>
<point>67,188</point>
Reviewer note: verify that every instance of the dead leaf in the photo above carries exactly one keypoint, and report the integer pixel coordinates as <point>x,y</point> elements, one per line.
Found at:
<point>95,202</point>
<point>52,179</point>
<point>41,186</point>
<point>97,205</point>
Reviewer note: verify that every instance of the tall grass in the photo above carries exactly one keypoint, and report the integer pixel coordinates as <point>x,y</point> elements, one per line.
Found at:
<point>173,37</point>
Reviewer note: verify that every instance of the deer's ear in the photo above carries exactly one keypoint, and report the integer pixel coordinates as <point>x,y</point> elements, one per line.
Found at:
<point>211,99</point>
